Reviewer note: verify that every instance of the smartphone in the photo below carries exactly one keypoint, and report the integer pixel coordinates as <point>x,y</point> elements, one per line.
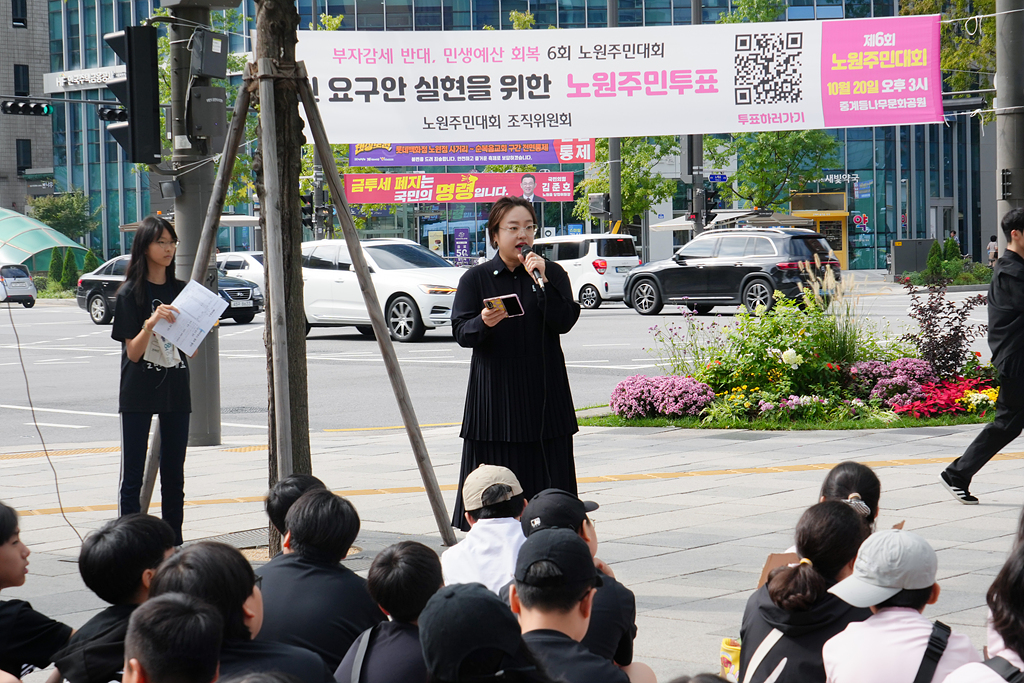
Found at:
<point>509,303</point>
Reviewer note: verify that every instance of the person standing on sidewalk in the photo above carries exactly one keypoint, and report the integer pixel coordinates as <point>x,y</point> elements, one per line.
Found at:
<point>154,375</point>
<point>1006,339</point>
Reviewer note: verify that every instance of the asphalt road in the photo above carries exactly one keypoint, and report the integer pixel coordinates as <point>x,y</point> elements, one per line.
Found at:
<point>72,367</point>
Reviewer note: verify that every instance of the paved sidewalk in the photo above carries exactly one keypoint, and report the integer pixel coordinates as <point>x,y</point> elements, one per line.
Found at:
<point>686,520</point>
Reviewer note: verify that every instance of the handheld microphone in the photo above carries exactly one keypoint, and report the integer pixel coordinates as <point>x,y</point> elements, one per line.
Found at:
<point>525,250</point>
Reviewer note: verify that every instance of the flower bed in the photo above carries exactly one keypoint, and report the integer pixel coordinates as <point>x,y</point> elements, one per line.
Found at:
<point>813,363</point>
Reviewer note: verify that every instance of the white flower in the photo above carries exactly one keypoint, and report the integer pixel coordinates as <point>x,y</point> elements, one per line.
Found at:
<point>791,358</point>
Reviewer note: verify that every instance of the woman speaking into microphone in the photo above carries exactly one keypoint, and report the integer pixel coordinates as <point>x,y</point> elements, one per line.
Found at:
<point>511,310</point>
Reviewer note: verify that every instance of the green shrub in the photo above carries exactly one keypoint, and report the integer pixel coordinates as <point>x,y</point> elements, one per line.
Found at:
<point>952,269</point>
<point>982,273</point>
<point>933,271</point>
<point>56,265</point>
<point>91,262</point>
<point>42,281</point>
<point>951,250</point>
<point>69,278</point>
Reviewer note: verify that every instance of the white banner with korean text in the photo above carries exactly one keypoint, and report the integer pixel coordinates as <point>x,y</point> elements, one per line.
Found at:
<point>451,86</point>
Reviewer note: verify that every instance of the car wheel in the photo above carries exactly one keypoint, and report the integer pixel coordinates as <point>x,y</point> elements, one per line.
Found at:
<point>28,304</point>
<point>404,322</point>
<point>702,309</point>
<point>758,293</point>
<point>366,331</point>
<point>245,318</point>
<point>646,298</point>
<point>99,310</point>
<point>590,298</point>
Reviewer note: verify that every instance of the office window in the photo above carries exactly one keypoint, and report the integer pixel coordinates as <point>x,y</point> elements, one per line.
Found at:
<point>21,88</point>
<point>19,13</point>
<point>24,155</point>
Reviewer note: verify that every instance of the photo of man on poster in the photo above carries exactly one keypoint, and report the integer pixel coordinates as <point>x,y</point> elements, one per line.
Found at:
<point>528,184</point>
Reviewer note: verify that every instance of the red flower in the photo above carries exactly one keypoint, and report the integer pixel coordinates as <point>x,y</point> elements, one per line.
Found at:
<point>978,354</point>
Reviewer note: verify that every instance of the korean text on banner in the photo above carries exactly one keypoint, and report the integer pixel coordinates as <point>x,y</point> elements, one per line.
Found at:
<point>438,154</point>
<point>407,188</point>
<point>450,86</point>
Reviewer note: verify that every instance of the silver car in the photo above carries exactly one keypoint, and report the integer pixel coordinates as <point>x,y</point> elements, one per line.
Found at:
<point>16,285</point>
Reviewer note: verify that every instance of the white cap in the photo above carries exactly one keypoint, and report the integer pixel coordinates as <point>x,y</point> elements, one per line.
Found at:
<point>888,562</point>
<point>482,478</point>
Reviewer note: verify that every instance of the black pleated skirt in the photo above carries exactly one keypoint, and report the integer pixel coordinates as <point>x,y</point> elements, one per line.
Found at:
<point>538,465</point>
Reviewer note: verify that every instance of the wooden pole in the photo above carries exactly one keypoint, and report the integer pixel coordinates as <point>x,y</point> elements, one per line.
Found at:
<point>380,330</point>
<point>152,467</point>
<point>274,256</point>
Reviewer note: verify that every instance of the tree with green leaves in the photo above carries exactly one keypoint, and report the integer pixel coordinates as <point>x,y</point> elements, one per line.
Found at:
<point>91,262</point>
<point>69,275</point>
<point>69,213</point>
<point>968,43</point>
<point>642,187</point>
<point>56,266</point>
<point>771,165</point>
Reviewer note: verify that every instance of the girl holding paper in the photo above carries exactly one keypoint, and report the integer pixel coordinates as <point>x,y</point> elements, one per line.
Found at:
<point>154,375</point>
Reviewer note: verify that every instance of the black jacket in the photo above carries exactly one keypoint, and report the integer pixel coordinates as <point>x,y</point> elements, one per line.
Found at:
<point>95,653</point>
<point>804,634</point>
<point>1006,315</point>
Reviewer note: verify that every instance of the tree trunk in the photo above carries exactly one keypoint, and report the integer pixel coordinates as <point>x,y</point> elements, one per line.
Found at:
<point>276,24</point>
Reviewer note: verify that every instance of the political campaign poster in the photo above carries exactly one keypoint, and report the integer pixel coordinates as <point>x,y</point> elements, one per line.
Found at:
<point>407,188</point>
<point>464,153</point>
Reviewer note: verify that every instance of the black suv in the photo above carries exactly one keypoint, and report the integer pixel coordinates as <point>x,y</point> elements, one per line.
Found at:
<point>97,293</point>
<point>728,267</point>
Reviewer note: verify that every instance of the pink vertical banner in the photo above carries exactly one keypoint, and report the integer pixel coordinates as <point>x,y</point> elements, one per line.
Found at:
<point>879,72</point>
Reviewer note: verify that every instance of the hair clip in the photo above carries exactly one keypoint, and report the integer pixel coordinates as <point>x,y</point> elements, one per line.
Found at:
<point>858,505</point>
<point>807,561</point>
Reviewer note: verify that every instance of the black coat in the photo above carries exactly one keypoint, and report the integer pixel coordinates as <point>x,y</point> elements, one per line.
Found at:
<point>518,370</point>
<point>1006,315</point>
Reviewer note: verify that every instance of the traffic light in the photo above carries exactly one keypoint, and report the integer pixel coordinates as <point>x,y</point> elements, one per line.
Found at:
<point>307,210</point>
<point>23,108</point>
<point>116,114</point>
<point>710,199</point>
<point>323,214</point>
<point>139,132</point>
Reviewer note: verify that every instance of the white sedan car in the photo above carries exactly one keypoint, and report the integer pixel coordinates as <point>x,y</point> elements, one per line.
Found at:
<point>415,286</point>
<point>247,265</point>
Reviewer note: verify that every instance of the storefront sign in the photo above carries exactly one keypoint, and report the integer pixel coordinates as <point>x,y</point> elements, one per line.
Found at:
<point>462,245</point>
<point>449,86</point>
<point>460,153</point>
<point>407,188</point>
<point>82,79</point>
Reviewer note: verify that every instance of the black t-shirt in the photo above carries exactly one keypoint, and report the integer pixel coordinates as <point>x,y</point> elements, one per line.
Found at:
<point>612,622</point>
<point>148,388</point>
<point>27,638</point>
<point>394,655</point>
<point>95,653</point>
<point>253,656</point>
<point>320,607</point>
<point>568,661</point>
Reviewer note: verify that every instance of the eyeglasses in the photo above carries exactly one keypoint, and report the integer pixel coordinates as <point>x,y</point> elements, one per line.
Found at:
<point>513,229</point>
<point>168,245</point>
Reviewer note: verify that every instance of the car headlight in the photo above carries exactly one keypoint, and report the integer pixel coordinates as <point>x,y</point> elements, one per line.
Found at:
<point>437,289</point>
<point>256,291</point>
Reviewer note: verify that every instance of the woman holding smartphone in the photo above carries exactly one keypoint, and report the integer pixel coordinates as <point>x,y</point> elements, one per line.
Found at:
<point>519,412</point>
<point>154,375</point>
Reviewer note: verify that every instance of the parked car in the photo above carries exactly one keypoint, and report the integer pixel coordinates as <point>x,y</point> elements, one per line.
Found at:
<point>247,265</point>
<point>415,286</point>
<point>597,264</point>
<point>97,293</point>
<point>728,267</point>
<point>16,285</point>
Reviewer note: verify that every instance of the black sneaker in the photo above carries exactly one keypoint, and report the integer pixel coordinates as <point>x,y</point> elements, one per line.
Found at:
<point>959,492</point>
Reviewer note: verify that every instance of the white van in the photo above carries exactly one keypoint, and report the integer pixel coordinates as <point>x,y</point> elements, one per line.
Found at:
<point>597,264</point>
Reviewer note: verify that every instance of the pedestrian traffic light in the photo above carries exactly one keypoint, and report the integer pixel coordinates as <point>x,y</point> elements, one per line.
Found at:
<point>307,210</point>
<point>23,108</point>
<point>116,114</point>
<point>139,92</point>
<point>710,199</point>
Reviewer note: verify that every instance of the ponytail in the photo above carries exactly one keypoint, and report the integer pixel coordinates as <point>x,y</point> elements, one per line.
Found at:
<point>828,536</point>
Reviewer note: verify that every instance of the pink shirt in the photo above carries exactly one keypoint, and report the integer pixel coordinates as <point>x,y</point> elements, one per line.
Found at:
<point>888,648</point>
<point>979,673</point>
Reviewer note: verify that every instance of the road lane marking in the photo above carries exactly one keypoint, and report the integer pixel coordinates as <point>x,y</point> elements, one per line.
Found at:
<point>610,478</point>
<point>66,451</point>
<point>379,429</point>
<point>54,424</point>
<point>59,410</point>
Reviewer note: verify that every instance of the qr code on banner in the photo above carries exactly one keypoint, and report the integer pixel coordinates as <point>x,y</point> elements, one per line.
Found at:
<point>768,68</point>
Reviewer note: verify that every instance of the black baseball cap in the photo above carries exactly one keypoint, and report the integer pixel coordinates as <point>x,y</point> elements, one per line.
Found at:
<point>564,549</point>
<point>555,509</point>
<point>461,619</point>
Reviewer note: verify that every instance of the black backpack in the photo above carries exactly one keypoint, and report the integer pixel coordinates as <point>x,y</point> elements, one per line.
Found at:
<point>1008,671</point>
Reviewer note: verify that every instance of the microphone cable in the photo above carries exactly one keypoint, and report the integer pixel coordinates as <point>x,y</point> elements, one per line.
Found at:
<point>35,423</point>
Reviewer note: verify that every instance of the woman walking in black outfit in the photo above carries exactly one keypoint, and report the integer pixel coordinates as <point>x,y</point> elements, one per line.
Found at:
<point>154,376</point>
<point>519,412</point>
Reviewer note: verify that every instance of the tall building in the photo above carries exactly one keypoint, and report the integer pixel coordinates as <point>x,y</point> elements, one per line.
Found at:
<point>27,152</point>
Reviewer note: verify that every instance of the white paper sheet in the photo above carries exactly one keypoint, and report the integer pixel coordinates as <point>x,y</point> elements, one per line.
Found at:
<point>198,311</point>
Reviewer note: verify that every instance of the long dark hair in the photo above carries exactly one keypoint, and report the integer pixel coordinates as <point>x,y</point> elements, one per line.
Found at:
<point>851,482</point>
<point>1006,600</point>
<point>828,536</point>
<point>498,211</point>
<point>150,230</point>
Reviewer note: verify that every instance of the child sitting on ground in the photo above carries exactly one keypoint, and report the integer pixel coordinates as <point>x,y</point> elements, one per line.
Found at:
<point>117,563</point>
<point>174,638</point>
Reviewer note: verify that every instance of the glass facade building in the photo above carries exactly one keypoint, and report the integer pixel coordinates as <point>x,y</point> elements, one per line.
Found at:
<point>900,181</point>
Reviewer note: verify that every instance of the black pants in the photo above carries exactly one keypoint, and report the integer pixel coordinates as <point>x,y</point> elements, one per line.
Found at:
<point>173,442</point>
<point>1001,431</point>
